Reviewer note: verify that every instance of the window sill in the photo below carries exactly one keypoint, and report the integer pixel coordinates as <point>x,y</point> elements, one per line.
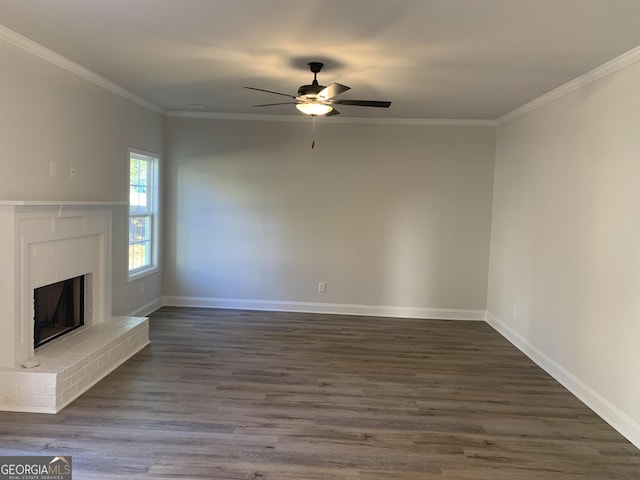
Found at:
<point>132,277</point>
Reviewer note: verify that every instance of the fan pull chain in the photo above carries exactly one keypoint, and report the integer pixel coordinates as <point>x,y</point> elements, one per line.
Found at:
<point>313,142</point>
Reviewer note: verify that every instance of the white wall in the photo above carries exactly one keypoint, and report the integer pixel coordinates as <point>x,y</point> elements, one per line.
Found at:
<point>385,215</point>
<point>564,279</point>
<point>48,114</point>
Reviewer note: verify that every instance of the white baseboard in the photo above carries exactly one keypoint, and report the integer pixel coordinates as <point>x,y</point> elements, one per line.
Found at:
<point>619,420</point>
<point>146,309</point>
<point>335,308</point>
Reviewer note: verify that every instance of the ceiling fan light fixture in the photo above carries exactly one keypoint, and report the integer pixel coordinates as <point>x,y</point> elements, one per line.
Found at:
<point>314,108</point>
<point>316,99</point>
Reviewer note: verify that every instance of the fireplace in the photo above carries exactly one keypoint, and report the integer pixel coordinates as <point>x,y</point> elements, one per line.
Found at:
<point>58,309</point>
<point>59,336</point>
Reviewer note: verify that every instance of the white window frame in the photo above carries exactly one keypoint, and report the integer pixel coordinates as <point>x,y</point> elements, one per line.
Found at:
<point>151,212</point>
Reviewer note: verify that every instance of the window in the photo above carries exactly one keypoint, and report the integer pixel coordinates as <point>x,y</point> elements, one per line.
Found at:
<point>143,193</point>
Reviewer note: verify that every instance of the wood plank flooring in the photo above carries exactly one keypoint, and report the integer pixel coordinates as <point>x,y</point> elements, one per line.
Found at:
<point>285,396</point>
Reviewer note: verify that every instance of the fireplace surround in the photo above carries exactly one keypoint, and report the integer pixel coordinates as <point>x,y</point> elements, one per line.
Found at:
<point>42,243</point>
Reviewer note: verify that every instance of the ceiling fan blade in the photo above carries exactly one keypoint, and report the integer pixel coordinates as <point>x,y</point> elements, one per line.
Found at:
<point>279,103</point>
<point>270,91</point>
<point>332,113</point>
<point>332,90</point>
<point>363,103</point>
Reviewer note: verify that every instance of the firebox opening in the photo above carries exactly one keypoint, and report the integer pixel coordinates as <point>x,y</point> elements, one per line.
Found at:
<point>58,309</point>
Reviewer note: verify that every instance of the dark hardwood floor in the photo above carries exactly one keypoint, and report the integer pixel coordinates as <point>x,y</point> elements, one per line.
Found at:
<point>284,396</point>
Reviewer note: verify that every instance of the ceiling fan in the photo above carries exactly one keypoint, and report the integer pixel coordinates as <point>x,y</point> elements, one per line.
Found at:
<point>316,99</point>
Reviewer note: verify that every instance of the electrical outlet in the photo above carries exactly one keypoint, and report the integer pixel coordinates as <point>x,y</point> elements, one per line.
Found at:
<point>322,287</point>
<point>53,170</point>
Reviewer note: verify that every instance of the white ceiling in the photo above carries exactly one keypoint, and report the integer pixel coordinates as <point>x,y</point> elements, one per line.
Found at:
<point>444,59</point>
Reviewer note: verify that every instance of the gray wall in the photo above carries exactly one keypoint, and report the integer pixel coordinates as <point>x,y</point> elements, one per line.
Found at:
<point>385,215</point>
<point>51,115</point>
<point>564,279</point>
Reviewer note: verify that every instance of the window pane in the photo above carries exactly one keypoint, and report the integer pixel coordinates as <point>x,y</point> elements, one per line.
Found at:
<point>139,228</point>
<point>138,199</point>
<point>142,178</point>
<point>139,241</point>
<point>139,184</point>
<point>139,255</point>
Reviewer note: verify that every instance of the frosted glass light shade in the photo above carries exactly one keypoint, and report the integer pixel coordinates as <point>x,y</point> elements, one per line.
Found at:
<point>314,108</point>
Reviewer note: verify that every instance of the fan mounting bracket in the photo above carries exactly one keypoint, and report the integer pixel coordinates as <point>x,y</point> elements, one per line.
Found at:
<point>315,67</point>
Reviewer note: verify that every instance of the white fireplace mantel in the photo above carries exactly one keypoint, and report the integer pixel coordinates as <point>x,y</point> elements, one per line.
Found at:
<point>44,242</point>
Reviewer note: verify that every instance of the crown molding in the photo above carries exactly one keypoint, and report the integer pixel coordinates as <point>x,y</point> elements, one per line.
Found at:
<point>612,66</point>
<point>50,56</point>
<point>39,51</point>
<point>28,45</point>
<point>252,117</point>
<point>351,120</point>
